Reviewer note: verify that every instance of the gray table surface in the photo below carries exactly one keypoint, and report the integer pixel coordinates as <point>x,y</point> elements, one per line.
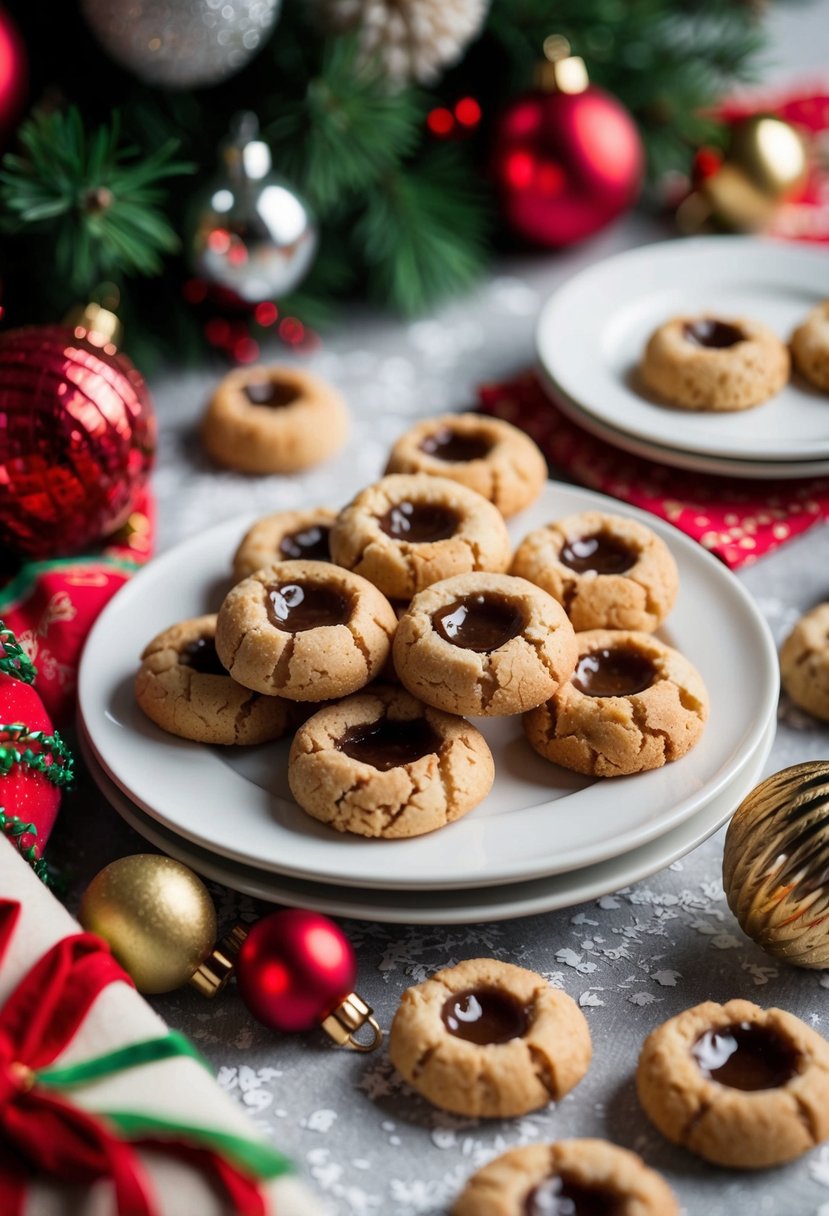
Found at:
<point>631,960</point>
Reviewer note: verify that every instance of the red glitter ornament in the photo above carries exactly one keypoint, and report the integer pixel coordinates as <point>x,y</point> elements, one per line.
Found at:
<point>567,157</point>
<point>77,439</point>
<point>294,969</point>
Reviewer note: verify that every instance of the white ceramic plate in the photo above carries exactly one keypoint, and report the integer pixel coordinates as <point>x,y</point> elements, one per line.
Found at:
<point>592,333</point>
<point>467,906</point>
<point>538,820</point>
<point>693,461</point>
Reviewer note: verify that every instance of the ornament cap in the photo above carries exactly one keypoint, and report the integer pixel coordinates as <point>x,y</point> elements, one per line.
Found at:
<point>97,324</point>
<point>212,975</point>
<point>351,1015</point>
<point>559,71</point>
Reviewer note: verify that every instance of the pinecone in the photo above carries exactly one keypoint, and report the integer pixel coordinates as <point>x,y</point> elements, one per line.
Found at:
<point>412,40</point>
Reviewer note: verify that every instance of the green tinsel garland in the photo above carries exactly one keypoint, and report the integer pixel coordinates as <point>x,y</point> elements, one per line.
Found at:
<point>54,760</point>
<point>13,658</point>
<point>15,829</point>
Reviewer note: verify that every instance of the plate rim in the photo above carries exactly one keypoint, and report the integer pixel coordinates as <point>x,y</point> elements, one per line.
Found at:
<point>586,499</point>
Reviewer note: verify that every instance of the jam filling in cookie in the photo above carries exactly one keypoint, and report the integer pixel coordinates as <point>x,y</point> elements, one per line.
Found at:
<point>296,607</point>
<point>746,1056</point>
<point>712,334</point>
<point>456,448</point>
<point>270,393</point>
<point>388,743</point>
<point>479,622</point>
<point>619,672</point>
<point>310,544</point>
<point>201,656</point>
<point>485,1015</point>
<point>419,522</point>
<point>601,553</point>
<point>562,1196</point>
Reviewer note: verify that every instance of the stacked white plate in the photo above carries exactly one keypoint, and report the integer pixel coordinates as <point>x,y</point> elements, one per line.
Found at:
<point>592,333</point>
<point>544,838</point>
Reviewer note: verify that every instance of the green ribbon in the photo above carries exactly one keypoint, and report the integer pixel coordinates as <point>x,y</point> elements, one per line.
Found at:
<point>122,1058</point>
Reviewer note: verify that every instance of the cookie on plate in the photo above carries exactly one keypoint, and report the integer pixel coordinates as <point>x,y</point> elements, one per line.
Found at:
<point>184,689</point>
<point>486,1038</point>
<point>273,419</point>
<point>284,536</point>
<point>708,363</point>
<point>573,1176</point>
<point>631,704</point>
<point>607,571</point>
<point>410,530</point>
<point>810,347</point>
<point>484,645</point>
<point>307,631</point>
<point>381,763</point>
<point>737,1084</point>
<point>804,662</point>
<point>490,456</point>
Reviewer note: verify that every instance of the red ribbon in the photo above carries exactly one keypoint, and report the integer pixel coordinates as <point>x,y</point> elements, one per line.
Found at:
<point>41,1134</point>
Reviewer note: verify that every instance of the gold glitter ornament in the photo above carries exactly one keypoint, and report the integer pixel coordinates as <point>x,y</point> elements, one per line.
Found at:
<point>157,917</point>
<point>776,865</point>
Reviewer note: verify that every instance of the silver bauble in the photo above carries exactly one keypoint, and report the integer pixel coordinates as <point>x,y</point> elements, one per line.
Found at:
<point>181,44</point>
<point>253,234</point>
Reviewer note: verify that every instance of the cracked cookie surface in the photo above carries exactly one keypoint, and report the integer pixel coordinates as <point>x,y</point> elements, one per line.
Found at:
<point>408,531</point>
<point>484,644</point>
<point>273,419</point>
<point>381,763</point>
<point>568,1176</point>
<point>284,536</point>
<point>307,631</point>
<point>647,705</point>
<point>488,455</point>
<point>737,1084</point>
<point>487,1038</point>
<point>804,662</point>
<point>607,572</point>
<point>810,347</point>
<point>708,363</point>
<point>183,688</point>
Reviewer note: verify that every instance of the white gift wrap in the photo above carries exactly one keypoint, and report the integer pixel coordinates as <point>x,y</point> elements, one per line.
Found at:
<point>178,1089</point>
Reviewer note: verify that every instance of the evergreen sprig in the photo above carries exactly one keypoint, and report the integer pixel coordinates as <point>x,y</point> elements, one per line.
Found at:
<point>97,201</point>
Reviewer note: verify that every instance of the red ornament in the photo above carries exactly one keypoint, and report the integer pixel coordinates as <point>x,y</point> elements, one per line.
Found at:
<point>294,969</point>
<point>567,157</point>
<point>77,438</point>
<point>13,76</point>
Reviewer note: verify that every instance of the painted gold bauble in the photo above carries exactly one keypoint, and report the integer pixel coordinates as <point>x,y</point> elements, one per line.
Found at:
<point>776,865</point>
<point>157,917</point>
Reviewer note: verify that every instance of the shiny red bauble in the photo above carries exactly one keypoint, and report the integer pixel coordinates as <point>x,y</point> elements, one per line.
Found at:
<point>566,164</point>
<point>13,76</point>
<point>77,439</point>
<point>294,968</point>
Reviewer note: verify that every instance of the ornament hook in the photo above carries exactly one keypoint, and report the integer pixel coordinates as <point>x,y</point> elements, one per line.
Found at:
<point>351,1015</point>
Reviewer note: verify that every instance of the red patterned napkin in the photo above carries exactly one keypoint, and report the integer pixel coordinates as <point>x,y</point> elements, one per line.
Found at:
<point>739,521</point>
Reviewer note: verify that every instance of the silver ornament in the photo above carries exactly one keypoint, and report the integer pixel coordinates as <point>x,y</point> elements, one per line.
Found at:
<point>181,44</point>
<point>254,236</point>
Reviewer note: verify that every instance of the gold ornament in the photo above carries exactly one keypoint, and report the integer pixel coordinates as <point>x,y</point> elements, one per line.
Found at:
<point>157,917</point>
<point>765,163</point>
<point>776,865</point>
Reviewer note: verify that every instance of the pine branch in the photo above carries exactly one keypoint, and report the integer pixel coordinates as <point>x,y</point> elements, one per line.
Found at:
<point>97,201</point>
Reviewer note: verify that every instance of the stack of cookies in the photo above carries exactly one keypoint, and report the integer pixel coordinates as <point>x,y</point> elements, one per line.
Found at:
<point>376,632</point>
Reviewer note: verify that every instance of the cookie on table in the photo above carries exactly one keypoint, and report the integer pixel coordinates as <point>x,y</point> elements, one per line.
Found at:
<point>810,347</point>
<point>631,704</point>
<point>574,1176</point>
<point>273,419</point>
<point>410,530</point>
<point>737,1084</point>
<point>804,662</point>
<point>381,763</point>
<point>486,1038</point>
<point>708,363</point>
<point>484,645</point>
<point>284,536</point>
<point>488,455</point>
<point>307,631</point>
<point>184,689</point>
<point>608,572</point>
